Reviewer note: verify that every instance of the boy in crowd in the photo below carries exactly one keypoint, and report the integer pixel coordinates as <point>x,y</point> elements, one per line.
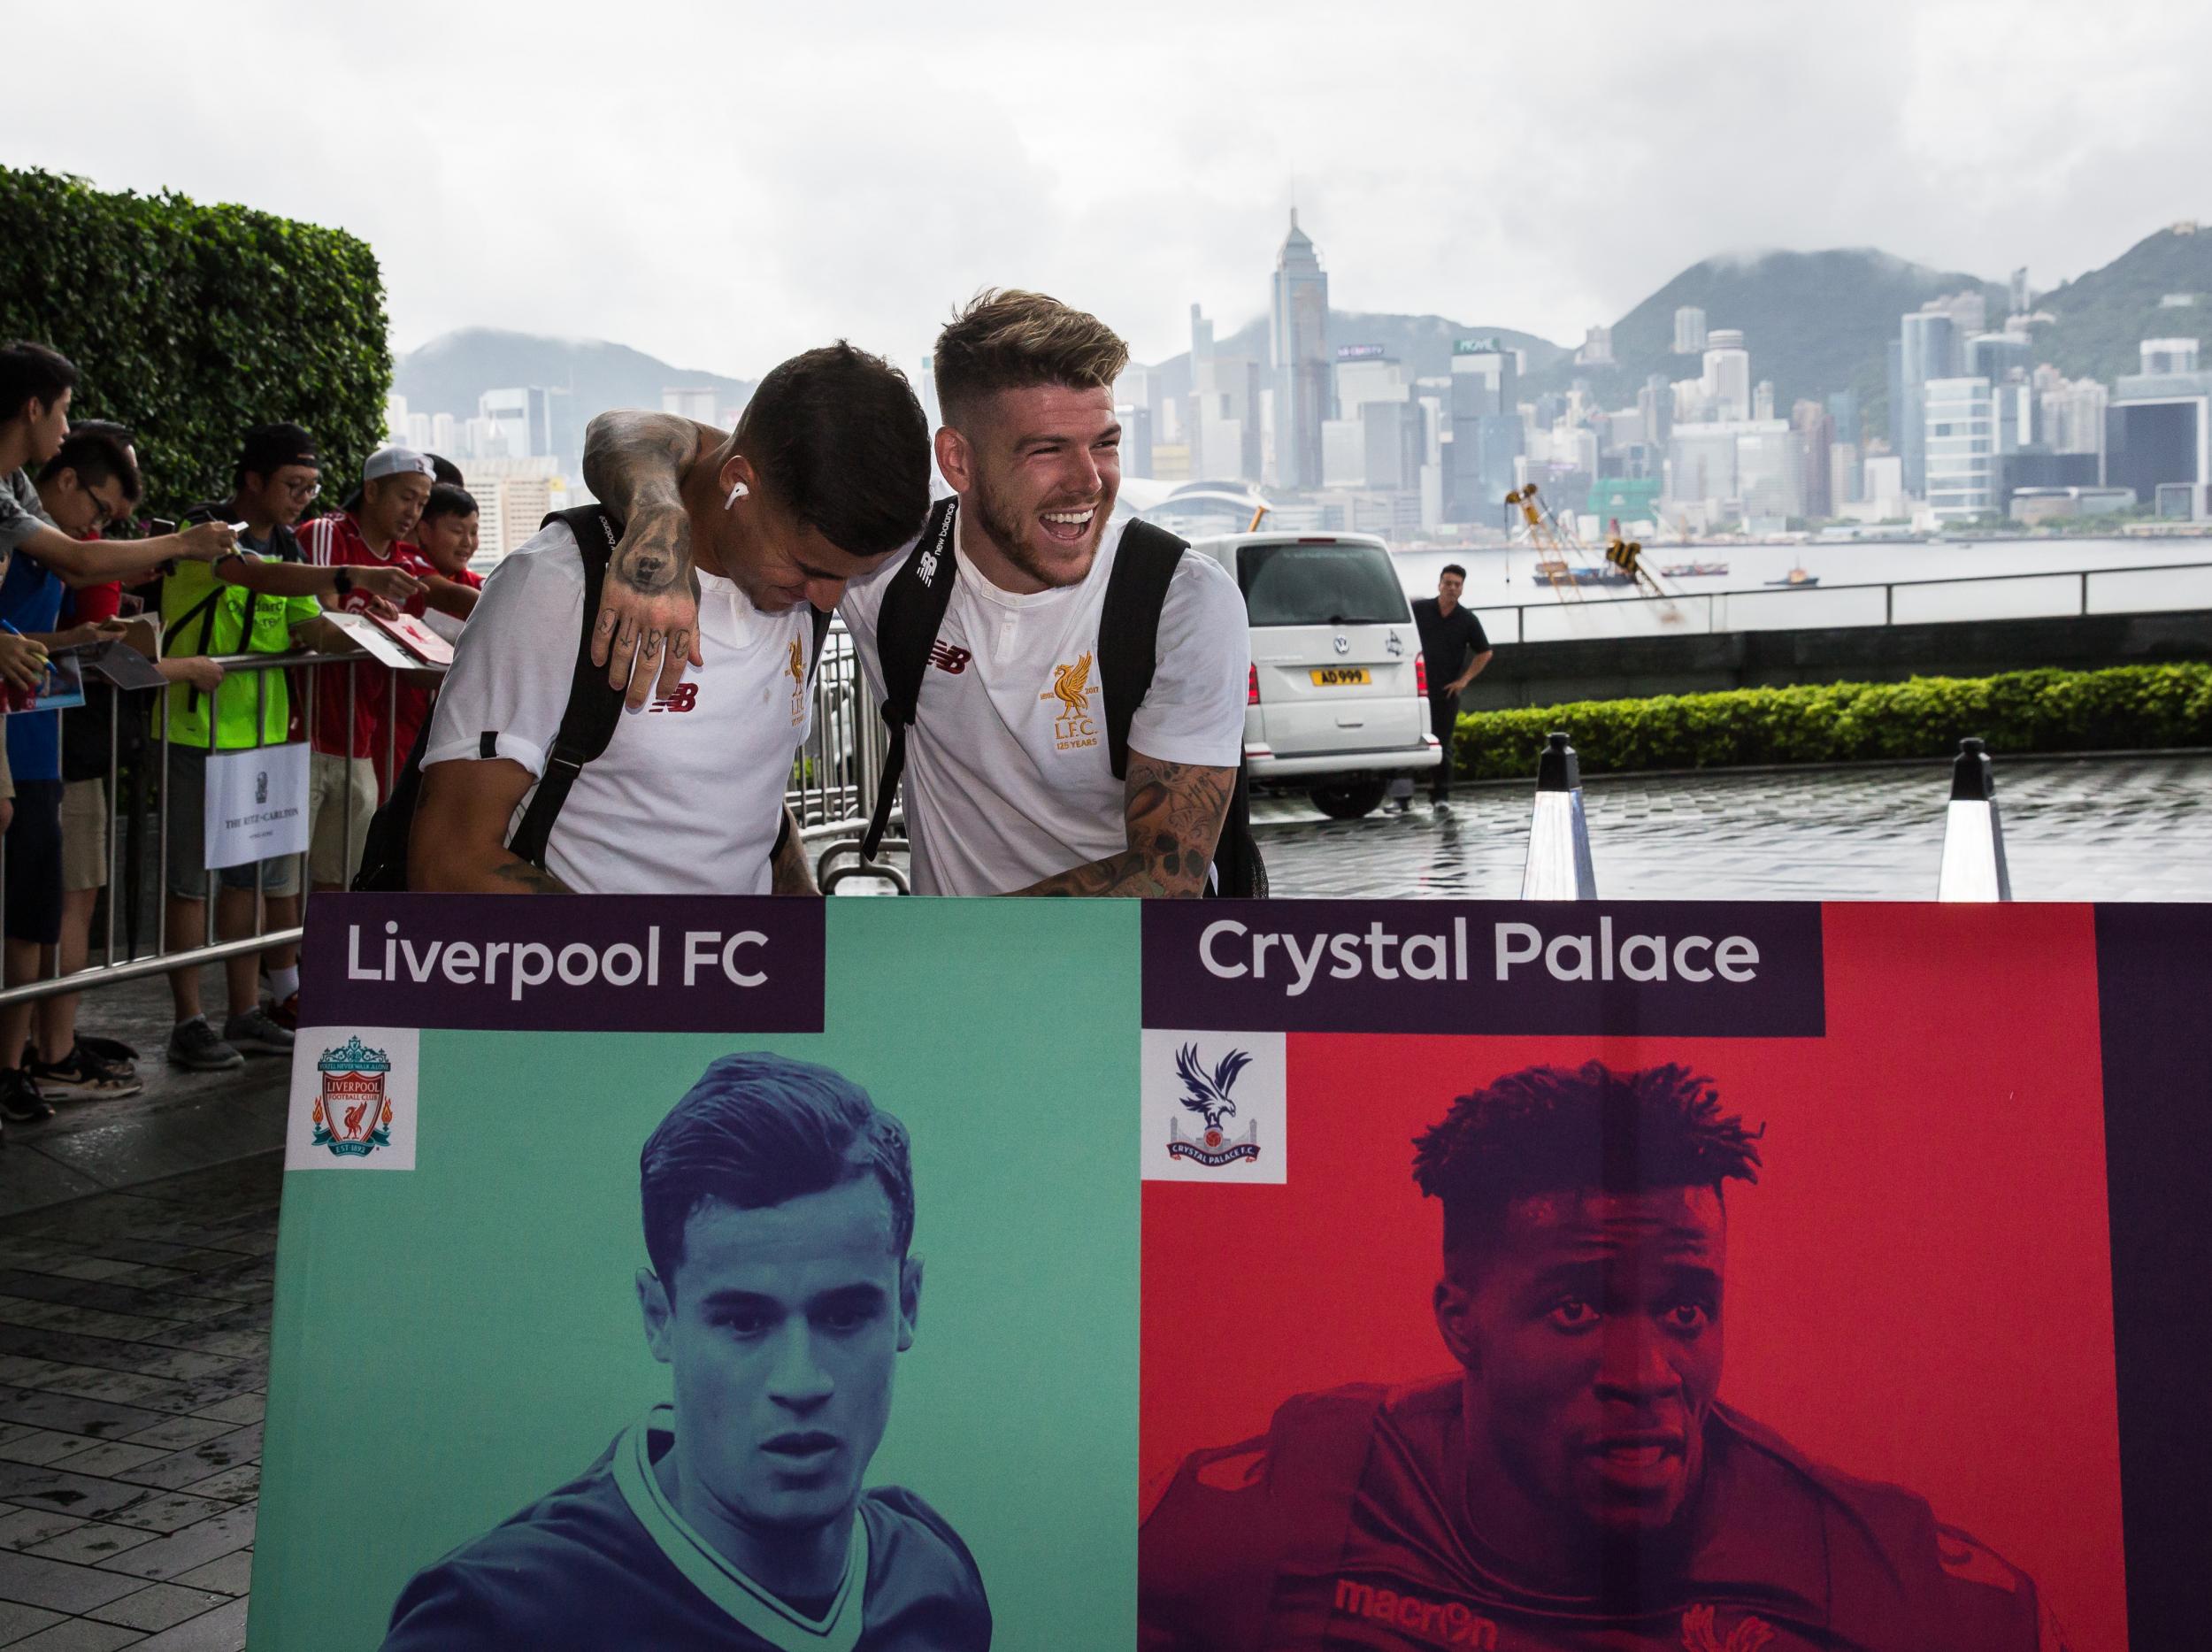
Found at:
<point>826,474</point>
<point>1009,785</point>
<point>87,480</point>
<point>278,476</point>
<point>258,599</point>
<point>95,738</point>
<point>357,733</point>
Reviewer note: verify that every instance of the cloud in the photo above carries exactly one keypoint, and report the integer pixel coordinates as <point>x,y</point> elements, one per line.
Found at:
<point>723,184</point>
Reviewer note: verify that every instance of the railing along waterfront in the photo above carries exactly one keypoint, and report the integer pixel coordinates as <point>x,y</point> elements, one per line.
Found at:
<point>2167,589</point>
<point>832,781</point>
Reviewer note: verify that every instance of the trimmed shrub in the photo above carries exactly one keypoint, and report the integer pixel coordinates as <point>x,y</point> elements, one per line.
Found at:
<point>2127,707</point>
<point>191,323</point>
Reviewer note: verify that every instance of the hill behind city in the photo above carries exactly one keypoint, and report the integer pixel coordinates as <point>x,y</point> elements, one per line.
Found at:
<point>447,374</point>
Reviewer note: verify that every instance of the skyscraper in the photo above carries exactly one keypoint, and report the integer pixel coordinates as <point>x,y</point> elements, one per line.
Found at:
<point>1727,378</point>
<point>1486,431</point>
<point>1929,348</point>
<point>1689,331</point>
<point>1960,449</point>
<point>1298,344</point>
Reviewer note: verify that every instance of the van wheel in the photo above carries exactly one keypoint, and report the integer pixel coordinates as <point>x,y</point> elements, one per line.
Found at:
<point>1349,799</point>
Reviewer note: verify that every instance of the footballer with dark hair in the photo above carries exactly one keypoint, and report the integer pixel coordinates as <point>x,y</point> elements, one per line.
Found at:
<point>1576,1483</point>
<point>778,1212</point>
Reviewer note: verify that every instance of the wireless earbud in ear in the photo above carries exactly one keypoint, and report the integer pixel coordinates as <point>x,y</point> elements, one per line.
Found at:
<point>738,490</point>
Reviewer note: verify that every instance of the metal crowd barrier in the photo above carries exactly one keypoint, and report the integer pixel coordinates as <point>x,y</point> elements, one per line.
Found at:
<point>833,786</point>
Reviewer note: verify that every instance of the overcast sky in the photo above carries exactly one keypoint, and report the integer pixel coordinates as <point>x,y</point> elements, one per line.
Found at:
<point>721,184</point>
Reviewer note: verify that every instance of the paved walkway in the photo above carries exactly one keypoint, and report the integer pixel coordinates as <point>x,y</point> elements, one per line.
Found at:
<point>2076,829</point>
<point>183,1121</point>
<point>133,1353</point>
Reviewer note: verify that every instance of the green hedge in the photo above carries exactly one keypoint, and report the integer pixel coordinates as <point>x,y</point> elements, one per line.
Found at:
<point>2126,707</point>
<point>190,323</point>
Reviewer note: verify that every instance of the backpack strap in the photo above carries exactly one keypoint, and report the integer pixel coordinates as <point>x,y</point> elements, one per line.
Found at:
<point>594,706</point>
<point>1129,628</point>
<point>914,602</point>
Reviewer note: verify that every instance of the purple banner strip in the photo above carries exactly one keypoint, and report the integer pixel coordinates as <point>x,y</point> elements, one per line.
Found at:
<point>1617,968</point>
<point>631,964</point>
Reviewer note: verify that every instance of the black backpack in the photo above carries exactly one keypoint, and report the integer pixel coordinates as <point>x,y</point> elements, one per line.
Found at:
<point>914,604</point>
<point>588,723</point>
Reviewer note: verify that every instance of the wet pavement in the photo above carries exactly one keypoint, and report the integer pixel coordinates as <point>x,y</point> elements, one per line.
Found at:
<point>133,1355</point>
<point>2076,829</point>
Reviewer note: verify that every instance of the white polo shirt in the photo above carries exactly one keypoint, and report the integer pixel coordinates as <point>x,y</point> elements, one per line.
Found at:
<point>1008,778</point>
<point>689,796</point>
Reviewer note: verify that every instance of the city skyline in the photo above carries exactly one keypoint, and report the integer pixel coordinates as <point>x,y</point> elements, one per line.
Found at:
<point>1542,173</point>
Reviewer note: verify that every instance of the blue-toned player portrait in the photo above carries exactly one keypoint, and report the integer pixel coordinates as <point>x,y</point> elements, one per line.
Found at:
<point>779,1215</point>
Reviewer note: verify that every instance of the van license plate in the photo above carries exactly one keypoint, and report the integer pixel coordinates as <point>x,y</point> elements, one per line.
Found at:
<point>1340,676</point>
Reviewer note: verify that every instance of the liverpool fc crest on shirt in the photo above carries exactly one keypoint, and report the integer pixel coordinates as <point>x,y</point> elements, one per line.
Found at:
<point>353,1115</point>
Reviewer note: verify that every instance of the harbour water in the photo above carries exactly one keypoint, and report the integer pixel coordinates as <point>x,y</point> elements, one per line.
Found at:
<point>1498,577</point>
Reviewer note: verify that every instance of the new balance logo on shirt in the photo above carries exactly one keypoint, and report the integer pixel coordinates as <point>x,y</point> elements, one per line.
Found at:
<point>686,698</point>
<point>949,659</point>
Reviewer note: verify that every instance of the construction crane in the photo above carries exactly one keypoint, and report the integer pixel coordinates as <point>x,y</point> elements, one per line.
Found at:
<point>1626,555</point>
<point>1549,539</point>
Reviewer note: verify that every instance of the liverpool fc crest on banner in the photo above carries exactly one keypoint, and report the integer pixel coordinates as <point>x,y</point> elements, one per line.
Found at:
<point>353,1115</point>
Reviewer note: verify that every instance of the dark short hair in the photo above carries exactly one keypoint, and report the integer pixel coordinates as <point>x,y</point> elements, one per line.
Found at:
<point>1012,339</point>
<point>757,1129</point>
<point>1558,1130</point>
<point>443,472</point>
<point>1451,567</point>
<point>98,455</point>
<point>268,448</point>
<point>446,500</point>
<point>33,373</point>
<point>837,436</point>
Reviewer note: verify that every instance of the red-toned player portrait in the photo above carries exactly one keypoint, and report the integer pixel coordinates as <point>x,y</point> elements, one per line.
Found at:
<point>1715,1344</point>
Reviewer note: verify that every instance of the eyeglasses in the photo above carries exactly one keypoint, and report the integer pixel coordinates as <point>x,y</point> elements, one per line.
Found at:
<point>107,511</point>
<point>303,491</point>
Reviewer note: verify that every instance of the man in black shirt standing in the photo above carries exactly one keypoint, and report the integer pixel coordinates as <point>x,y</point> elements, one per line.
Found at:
<point>1453,643</point>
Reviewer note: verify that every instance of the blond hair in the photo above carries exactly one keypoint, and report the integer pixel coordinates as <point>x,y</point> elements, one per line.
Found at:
<point>1010,340</point>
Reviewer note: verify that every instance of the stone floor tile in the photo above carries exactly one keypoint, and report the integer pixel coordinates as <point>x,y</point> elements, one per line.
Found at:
<point>40,1445</point>
<point>30,1528</point>
<point>165,1512</point>
<point>241,1484</point>
<point>33,1487</point>
<point>18,1620</point>
<point>110,1458</point>
<point>58,1586</point>
<point>241,1408</point>
<point>79,1634</point>
<point>157,1606</point>
<point>89,1543</point>
<point>179,1431</point>
<point>176,1470</point>
<point>222,1630</point>
<point>180,1551</point>
<point>71,1414</point>
<point>230,1575</point>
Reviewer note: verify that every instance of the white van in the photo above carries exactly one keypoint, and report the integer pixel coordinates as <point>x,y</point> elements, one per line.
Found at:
<point>1337,704</point>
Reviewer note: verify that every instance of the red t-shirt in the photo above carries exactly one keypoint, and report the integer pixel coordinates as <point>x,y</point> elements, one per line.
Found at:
<point>379,722</point>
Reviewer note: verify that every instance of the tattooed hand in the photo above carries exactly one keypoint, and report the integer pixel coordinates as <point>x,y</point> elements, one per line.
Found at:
<point>646,629</point>
<point>1173,813</point>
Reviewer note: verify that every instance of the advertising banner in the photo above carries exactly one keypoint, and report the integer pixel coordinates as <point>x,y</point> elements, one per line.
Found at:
<point>1596,1276</point>
<point>621,1236</point>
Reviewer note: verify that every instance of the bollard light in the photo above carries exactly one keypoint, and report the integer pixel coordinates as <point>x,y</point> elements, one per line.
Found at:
<point>1558,867</point>
<point>1973,840</point>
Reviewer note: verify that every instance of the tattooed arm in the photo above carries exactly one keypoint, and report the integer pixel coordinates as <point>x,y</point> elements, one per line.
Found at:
<point>790,871</point>
<point>635,464</point>
<point>458,844</point>
<point>1174,813</point>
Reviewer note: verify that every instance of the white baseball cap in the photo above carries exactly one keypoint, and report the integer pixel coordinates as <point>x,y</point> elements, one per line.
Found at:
<point>398,462</point>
